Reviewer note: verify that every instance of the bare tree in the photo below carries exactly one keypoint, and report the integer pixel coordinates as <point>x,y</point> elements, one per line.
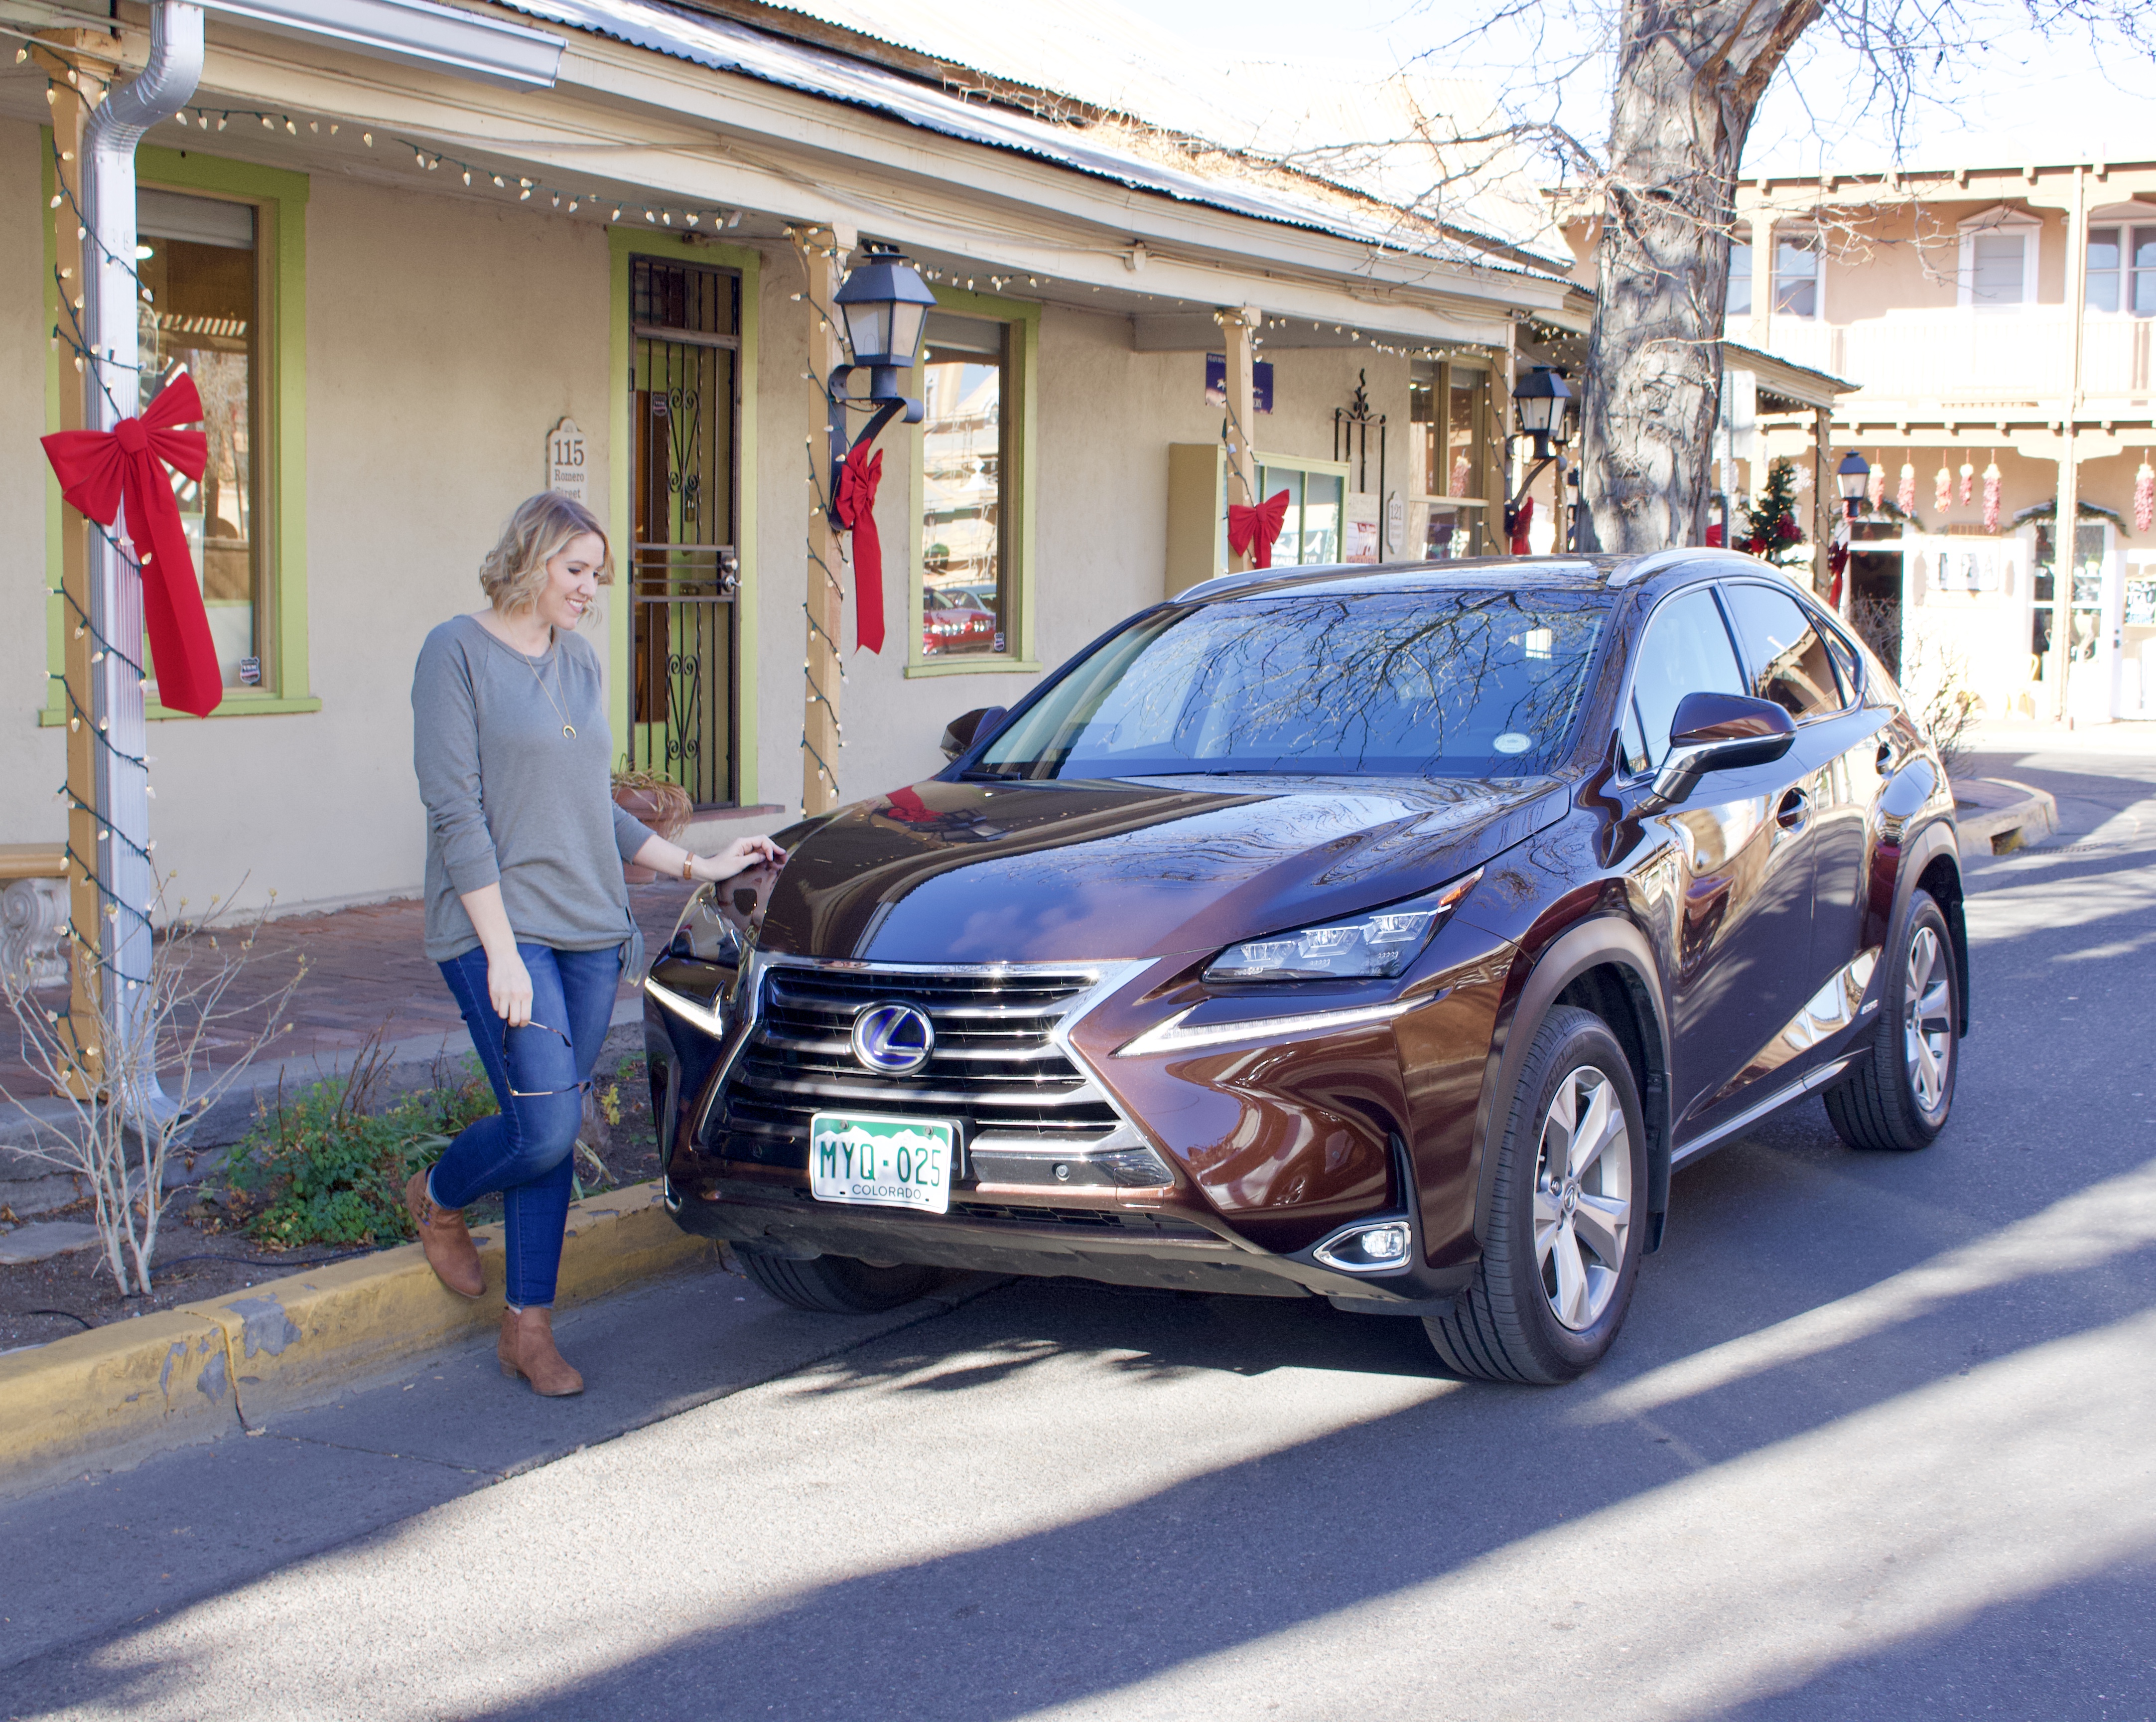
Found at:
<point>131,1107</point>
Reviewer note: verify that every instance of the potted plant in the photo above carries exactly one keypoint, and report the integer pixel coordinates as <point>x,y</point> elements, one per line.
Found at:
<point>663,806</point>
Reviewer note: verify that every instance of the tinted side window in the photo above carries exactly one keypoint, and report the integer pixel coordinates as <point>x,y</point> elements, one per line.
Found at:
<point>1687,651</point>
<point>1787,660</point>
<point>1845,662</point>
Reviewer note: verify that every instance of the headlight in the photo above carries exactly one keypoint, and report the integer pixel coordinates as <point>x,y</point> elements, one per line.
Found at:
<point>1375,946</point>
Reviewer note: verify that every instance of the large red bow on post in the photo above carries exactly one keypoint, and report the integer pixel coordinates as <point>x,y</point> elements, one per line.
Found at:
<point>856,507</point>
<point>1251,531</point>
<point>98,469</point>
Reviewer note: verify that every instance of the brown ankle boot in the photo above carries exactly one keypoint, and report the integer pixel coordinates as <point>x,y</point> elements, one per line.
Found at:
<point>527,1349</point>
<point>446,1239</point>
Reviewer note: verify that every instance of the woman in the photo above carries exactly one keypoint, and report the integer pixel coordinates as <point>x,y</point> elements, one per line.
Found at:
<point>527,912</point>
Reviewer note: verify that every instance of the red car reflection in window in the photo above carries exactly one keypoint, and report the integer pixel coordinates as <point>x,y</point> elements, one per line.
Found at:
<point>955,622</point>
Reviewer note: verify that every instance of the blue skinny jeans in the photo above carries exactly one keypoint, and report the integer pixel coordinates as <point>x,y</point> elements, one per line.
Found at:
<point>526,1150</point>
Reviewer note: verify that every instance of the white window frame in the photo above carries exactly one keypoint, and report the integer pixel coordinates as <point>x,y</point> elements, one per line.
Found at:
<point>2000,219</point>
<point>1802,235</point>
<point>2125,217</point>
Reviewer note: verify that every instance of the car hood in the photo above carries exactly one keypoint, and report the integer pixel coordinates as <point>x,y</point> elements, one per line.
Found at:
<point>1003,873</point>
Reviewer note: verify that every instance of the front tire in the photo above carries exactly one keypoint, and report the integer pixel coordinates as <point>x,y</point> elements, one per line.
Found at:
<point>1900,1098</point>
<point>837,1285</point>
<point>1566,1218</point>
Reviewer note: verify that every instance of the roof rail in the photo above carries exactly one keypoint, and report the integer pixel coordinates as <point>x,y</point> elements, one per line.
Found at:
<point>1655,562</point>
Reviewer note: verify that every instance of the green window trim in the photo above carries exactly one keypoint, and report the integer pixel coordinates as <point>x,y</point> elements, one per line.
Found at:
<point>622,244</point>
<point>281,198</point>
<point>1024,318</point>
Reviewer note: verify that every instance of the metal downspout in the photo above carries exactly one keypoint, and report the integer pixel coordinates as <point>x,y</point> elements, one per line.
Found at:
<point>126,882</point>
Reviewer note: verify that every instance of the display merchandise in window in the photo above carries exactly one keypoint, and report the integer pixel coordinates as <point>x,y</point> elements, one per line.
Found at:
<point>197,262</point>
<point>964,564</point>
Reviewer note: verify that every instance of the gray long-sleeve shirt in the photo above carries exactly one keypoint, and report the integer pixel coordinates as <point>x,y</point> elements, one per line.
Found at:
<point>512,800</point>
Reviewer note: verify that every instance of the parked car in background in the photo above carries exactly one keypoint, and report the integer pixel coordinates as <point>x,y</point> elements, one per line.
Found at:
<point>955,622</point>
<point>1383,935</point>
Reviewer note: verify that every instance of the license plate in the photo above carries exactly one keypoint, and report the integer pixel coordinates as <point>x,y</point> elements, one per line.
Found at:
<point>881,1162</point>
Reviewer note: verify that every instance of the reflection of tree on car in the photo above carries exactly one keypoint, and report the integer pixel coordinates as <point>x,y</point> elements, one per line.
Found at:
<point>955,620</point>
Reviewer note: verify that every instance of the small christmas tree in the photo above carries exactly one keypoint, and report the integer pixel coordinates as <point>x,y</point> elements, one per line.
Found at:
<point>1770,528</point>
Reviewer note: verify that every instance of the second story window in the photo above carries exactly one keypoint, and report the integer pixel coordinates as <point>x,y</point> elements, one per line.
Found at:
<point>1796,275</point>
<point>2122,269</point>
<point>1739,303</point>
<point>1997,267</point>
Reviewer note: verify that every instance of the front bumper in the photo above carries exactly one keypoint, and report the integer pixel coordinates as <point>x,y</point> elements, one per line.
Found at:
<point>1276,1142</point>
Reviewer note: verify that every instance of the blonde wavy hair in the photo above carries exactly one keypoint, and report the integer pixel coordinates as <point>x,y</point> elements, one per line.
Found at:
<point>514,573</point>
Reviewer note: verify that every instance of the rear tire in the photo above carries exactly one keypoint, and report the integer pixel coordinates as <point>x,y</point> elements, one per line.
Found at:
<point>1567,1218</point>
<point>837,1285</point>
<point>1898,1099</point>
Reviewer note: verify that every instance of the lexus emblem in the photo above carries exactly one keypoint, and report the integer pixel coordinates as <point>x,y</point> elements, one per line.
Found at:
<point>893,1040</point>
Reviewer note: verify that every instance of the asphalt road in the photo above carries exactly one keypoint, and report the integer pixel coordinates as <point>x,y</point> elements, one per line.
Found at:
<point>1879,1442</point>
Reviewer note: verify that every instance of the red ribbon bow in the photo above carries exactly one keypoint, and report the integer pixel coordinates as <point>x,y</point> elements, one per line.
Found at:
<point>856,507</point>
<point>98,469</point>
<point>1251,531</point>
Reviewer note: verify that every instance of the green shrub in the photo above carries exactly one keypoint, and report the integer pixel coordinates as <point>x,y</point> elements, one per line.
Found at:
<point>323,1169</point>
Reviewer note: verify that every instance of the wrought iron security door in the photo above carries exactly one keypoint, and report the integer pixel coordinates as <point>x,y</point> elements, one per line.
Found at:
<point>684,405</point>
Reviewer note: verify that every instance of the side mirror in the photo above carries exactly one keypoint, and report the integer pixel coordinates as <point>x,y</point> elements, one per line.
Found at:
<point>1717,732</point>
<point>975,725</point>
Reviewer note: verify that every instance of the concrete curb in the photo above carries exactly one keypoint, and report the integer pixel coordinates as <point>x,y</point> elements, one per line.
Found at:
<point>112,1397</point>
<point>1997,815</point>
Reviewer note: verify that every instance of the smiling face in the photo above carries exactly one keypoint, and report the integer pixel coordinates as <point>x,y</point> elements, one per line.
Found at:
<point>572,581</point>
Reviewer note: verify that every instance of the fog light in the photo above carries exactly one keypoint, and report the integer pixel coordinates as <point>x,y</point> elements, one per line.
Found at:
<point>1367,1249</point>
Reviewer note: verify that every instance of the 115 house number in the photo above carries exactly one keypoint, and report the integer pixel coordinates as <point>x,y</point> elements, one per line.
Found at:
<point>566,471</point>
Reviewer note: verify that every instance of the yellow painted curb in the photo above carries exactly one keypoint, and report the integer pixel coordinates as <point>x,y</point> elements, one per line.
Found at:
<point>117,1392</point>
<point>109,1396</point>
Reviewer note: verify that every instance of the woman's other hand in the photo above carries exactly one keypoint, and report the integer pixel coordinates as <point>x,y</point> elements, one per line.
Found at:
<point>738,856</point>
<point>508,986</point>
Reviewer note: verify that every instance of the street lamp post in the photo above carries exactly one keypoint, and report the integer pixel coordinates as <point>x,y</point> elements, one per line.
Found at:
<point>884,304</point>
<point>1544,402</point>
<point>1851,477</point>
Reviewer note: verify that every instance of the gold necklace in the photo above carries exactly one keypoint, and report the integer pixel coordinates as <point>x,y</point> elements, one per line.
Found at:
<point>568,729</point>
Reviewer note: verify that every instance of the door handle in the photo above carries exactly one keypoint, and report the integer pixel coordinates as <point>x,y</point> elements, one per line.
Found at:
<point>1795,809</point>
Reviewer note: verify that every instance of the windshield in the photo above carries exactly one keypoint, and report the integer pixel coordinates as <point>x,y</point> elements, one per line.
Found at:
<point>1437,683</point>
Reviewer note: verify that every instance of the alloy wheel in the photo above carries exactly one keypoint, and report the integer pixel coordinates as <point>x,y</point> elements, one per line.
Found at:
<point>1583,1197</point>
<point>1927,1021</point>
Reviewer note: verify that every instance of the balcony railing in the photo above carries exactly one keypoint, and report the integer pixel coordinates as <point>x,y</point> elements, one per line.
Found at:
<point>1979,357</point>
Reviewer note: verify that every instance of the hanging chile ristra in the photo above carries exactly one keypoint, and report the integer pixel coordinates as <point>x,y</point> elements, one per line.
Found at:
<point>2144,496</point>
<point>1942,490</point>
<point>1878,488</point>
<point>1991,497</point>
<point>1968,478</point>
<point>1905,493</point>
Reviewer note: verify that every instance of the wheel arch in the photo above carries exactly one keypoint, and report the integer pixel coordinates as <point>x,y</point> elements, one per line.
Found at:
<point>1932,863</point>
<point>1607,967</point>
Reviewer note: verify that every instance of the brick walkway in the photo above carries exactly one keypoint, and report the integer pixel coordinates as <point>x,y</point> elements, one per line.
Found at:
<point>366,974</point>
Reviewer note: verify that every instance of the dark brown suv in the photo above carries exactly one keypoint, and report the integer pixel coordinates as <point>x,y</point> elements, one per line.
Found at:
<point>1385,935</point>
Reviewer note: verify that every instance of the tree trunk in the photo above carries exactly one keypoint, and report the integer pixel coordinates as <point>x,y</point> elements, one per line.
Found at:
<point>1689,80</point>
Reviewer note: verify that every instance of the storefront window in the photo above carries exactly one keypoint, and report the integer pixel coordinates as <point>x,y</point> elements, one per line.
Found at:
<point>198,265</point>
<point>964,556</point>
<point>1310,533</point>
<point>1448,404</point>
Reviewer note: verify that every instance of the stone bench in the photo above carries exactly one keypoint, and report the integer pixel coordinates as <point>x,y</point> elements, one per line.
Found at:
<point>33,911</point>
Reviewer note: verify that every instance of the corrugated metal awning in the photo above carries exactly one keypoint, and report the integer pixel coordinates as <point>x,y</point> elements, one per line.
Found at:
<point>725,46</point>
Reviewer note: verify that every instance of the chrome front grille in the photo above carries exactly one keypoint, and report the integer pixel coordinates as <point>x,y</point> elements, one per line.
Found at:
<point>995,1066</point>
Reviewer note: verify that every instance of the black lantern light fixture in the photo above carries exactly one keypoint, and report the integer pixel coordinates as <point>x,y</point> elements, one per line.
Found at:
<point>1544,401</point>
<point>1852,476</point>
<point>884,304</point>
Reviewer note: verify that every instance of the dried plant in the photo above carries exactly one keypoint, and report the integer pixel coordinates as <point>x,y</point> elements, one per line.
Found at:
<point>1932,674</point>
<point>134,1101</point>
